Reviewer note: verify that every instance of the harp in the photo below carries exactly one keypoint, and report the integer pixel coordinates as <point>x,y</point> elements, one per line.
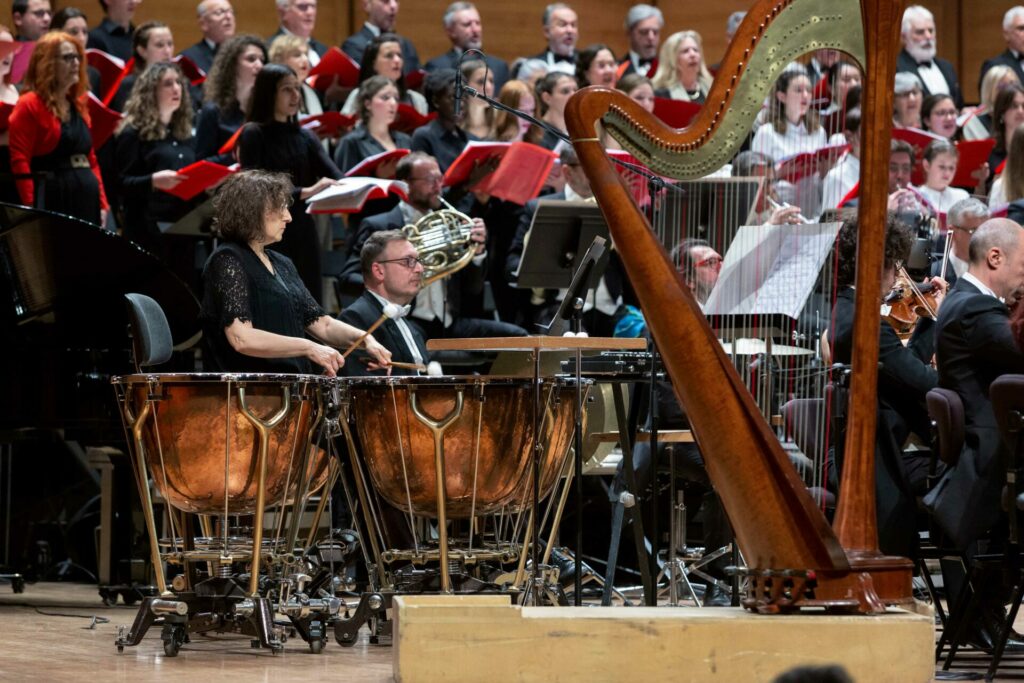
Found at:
<point>794,558</point>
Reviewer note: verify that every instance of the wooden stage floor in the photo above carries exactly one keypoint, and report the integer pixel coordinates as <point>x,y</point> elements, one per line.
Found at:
<point>49,635</point>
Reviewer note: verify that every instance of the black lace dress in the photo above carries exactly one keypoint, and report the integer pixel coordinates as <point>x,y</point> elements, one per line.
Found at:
<point>236,285</point>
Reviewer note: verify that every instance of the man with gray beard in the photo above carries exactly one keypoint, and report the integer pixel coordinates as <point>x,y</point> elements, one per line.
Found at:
<point>918,55</point>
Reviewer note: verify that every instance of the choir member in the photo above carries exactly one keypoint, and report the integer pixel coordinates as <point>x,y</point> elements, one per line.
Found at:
<point>553,92</point>
<point>31,18</point>
<point>940,161</point>
<point>227,90</point>
<point>906,104</point>
<point>643,28</point>
<point>151,43</point>
<point>479,118</point>
<point>595,65</point>
<point>509,127</point>
<point>113,35</point>
<point>918,55</point>
<point>73,21</point>
<point>939,114</point>
<point>1007,114</point>
<point>561,31</point>
<point>216,20</point>
<point>465,30</point>
<point>383,57</point>
<point>682,73</point>
<point>298,17</point>
<point>381,17</point>
<point>377,100</point>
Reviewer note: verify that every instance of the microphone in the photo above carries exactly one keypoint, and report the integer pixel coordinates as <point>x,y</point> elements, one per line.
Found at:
<point>458,91</point>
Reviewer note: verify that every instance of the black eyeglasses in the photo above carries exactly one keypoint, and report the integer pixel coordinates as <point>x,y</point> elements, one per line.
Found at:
<point>409,262</point>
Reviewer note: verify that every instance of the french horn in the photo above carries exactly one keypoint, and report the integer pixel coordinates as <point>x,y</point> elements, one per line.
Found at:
<point>442,238</point>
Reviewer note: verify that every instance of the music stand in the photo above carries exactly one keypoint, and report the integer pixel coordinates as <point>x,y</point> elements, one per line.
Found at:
<point>559,236</point>
<point>196,223</point>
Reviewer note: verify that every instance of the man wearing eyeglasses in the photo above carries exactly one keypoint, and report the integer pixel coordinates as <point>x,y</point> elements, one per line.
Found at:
<point>962,220</point>
<point>393,274</point>
<point>217,22</point>
<point>31,18</point>
<point>298,17</point>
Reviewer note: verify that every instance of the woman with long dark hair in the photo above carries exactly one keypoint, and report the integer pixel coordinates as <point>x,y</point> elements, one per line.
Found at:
<point>383,57</point>
<point>51,147</point>
<point>226,94</point>
<point>272,140</point>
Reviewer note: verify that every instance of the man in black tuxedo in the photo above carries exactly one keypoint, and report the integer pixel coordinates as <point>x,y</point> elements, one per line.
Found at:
<point>298,17</point>
<point>217,22</point>
<point>962,220</point>
<point>393,274</point>
<point>643,28</point>
<point>465,30</point>
<point>381,16</point>
<point>561,30</point>
<point>918,55</point>
<point>1013,33</point>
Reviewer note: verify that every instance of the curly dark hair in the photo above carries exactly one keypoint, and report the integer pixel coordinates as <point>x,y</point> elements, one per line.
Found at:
<point>141,110</point>
<point>898,241</point>
<point>219,86</point>
<point>236,216</point>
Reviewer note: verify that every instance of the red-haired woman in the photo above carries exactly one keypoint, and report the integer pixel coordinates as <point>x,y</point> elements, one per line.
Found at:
<point>51,148</point>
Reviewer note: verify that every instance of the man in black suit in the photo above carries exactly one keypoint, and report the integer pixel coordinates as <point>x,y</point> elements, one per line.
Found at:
<point>217,22</point>
<point>1013,33</point>
<point>918,55</point>
<point>298,17</point>
<point>962,220</point>
<point>643,28</point>
<point>465,30</point>
<point>444,308</point>
<point>393,274</point>
<point>114,33</point>
<point>381,16</point>
<point>561,30</point>
<point>31,18</point>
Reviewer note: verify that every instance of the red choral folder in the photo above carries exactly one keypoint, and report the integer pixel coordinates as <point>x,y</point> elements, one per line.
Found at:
<point>198,177</point>
<point>369,165</point>
<point>414,79</point>
<point>330,124</point>
<point>110,92</point>
<point>102,120</point>
<point>192,72</point>
<point>801,165</point>
<point>228,146</point>
<point>8,47</point>
<point>408,119</point>
<point>520,174</point>
<point>334,63</point>
<point>918,139</point>
<point>676,113</point>
<point>20,64</point>
<point>973,155</point>
<point>5,115</point>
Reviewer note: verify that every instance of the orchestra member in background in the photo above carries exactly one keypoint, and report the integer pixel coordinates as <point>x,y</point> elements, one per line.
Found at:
<point>383,57</point>
<point>682,73</point>
<point>74,22</point>
<point>465,30</point>
<point>553,92</point>
<point>595,65</point>
<point>216,20</point>
<point>443,138</point>
<point>906,105</point>
<point>291,51</point>
<point>31,18</point>
<point>272,140</point>
<point>256,313</point>
<point>151,43</point>
<point>298,17</point>
<point>393,274</point>
<point>561,30</point>
<point>51,148</point>
<point>114,33</point>
<point>377,102</point>
<point>643,28</point>
<point>226,95</point>
<point>153,142</point>
<point>508,127</point>
<point>381,17</point>
<point>479,118</point>
<point>962,220</point>
<point>1007,114</point>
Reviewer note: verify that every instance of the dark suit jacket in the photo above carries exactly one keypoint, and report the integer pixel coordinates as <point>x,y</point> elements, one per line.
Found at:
<point>317,46</point>
<point>365,311</point>
<point>975,345</point>
<point>907,63</point>
<point>1005,59</point>
<point>499,69</point>
<point>201,54</point>
<point>950,273</point>
<point>355,45</point>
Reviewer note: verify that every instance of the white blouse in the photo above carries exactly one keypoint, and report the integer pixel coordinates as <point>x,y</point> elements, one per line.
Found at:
<point>806,193</point>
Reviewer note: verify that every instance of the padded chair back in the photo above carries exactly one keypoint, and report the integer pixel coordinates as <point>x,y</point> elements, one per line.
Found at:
<point>151,335</point>
<point>946,411</point>
<point>805,424</point>
<point>1007,396</point>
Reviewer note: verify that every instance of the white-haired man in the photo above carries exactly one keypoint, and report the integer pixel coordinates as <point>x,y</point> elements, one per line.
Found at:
<point>217,22</point>
<point>1013,34</point>
<point>643,28</point>
<point>918,55</point>
<point>465,30</point>
<point>298,17</point>
<point>561,30</point>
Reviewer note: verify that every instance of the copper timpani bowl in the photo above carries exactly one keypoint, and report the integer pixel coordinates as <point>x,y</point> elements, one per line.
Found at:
<point>488,447</point>
<point>201,450</point>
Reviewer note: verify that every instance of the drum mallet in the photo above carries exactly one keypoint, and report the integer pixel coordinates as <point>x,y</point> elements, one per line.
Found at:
<point>390,311</point>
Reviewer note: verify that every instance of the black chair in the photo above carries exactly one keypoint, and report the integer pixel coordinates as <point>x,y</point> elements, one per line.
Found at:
<point>151,334</point>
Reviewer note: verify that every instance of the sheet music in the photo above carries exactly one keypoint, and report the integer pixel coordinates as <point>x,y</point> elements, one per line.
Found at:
<point>771,269</point>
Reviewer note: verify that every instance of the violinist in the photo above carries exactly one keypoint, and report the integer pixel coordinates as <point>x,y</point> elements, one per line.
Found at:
<point>904,378</point>
<point>963,219</point>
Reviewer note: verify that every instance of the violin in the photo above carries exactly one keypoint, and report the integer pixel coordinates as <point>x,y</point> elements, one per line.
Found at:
<point>908,302</point>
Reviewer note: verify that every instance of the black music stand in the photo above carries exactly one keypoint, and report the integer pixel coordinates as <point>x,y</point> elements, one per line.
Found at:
<point>556,245</point>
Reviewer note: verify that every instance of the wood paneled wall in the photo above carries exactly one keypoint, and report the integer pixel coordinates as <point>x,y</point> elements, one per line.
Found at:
<point>969,30</point>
